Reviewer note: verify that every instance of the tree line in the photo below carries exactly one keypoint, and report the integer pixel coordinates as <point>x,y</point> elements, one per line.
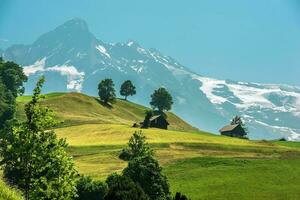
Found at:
<point>35,161</point>
<point>107,92</point>
<point>160,99</point>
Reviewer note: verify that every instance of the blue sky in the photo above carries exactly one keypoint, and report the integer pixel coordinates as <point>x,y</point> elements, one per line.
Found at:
<point>244,40</point>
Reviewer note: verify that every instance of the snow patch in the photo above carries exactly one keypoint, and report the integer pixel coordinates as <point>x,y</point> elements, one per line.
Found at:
<point>250,96</point>
<point>137,68</point>
<point>102,50</point>
<point>74,77</point>
<point>208,86</point>
<point>130,43</point>
<point>292,134</point>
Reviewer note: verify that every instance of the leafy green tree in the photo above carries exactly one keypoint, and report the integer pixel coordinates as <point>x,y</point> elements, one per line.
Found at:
<point>11,85</point>
<point>146,172</point>
<point>106,91</point>
<point>12,77</point>
<point>137,146</point>
<point>34,159</point>
<point>146,122</point>
<point>238,120</point>
<point>127,89</point>
<point>87,189</point>
<point>144,169</point>
<point>161,99</point>
<point>123,188</point>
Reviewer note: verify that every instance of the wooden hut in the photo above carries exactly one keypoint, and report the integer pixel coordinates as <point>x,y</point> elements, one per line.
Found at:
<point>235,130</point>
<point>159,121</point>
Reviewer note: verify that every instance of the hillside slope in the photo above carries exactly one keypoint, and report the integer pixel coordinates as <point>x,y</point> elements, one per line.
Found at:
<point>199,164</point>
<point>77,108</point>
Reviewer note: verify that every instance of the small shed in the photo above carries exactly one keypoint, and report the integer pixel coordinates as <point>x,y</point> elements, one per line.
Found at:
<point>235,130</point>
<point>159,121</point>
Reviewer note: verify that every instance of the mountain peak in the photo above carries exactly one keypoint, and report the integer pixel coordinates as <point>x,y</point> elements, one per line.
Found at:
<point>75,24</point>
<point>71,34</point>
<point>132,43</point>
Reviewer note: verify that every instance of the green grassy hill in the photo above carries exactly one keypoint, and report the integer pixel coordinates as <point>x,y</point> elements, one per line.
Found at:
<point>199,164</point>
<point>6,193</point>
<point>76,108</point>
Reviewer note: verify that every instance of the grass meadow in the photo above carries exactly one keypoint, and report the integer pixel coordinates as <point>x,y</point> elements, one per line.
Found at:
<point>198,164</point>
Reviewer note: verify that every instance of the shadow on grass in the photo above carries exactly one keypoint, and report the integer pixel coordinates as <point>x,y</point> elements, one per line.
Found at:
<point>107,105</point>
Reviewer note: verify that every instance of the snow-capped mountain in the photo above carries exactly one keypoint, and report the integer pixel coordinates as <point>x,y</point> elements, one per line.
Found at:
<point>72,59</point>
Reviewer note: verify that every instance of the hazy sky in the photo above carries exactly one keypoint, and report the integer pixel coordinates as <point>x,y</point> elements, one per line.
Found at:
<point>245,40</point>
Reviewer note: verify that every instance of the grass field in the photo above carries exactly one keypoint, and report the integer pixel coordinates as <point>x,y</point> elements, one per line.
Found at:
<point>199,164</point>
<point>236,178</point>
<point>7,193</point>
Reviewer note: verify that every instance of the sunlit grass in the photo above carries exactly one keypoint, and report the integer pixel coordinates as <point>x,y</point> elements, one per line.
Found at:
<point>199,164</point>
<point>235,179</point>
<point>112,134</point>
<point>7,193</point>
<point>76,108</point>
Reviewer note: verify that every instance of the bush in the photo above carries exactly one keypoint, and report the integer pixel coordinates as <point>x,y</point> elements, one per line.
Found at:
<point>282,139</point>
<point>123,188</point>
<point>87,189</point>
<point>179,196</point>
<point>125,155</point>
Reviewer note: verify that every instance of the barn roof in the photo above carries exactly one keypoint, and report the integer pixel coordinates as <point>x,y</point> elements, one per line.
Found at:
<point>158,116</point>
<point>229,128</point>
<point>154,117</point>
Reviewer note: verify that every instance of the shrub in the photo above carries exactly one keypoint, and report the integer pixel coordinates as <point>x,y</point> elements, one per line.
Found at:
<point>123,188</point>
<point>87,189</point>
<point>179,196</point>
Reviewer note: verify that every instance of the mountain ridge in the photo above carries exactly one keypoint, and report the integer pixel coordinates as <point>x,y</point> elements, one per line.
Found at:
<point>75,60</point>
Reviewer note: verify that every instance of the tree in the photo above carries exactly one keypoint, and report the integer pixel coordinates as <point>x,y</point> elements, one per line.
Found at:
<point>12,76</point>
<point>137,146</point>
<point>11,85</point>
<point>238,120</point>
<point>146,172</point>
<point>34,159</point>
<point>161,99</point>
<point>106,91</point>
<point>144,169</point>
<point>146,122</point>
<point>87,189</point>
<point>127,89</point>
<point>123,188</point>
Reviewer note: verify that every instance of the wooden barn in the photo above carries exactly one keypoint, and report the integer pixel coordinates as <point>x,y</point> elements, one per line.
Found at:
<point>233,131</point>
<point>159,121</point>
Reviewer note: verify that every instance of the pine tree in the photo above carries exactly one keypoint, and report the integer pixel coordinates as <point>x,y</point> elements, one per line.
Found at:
<point>34,159</point>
